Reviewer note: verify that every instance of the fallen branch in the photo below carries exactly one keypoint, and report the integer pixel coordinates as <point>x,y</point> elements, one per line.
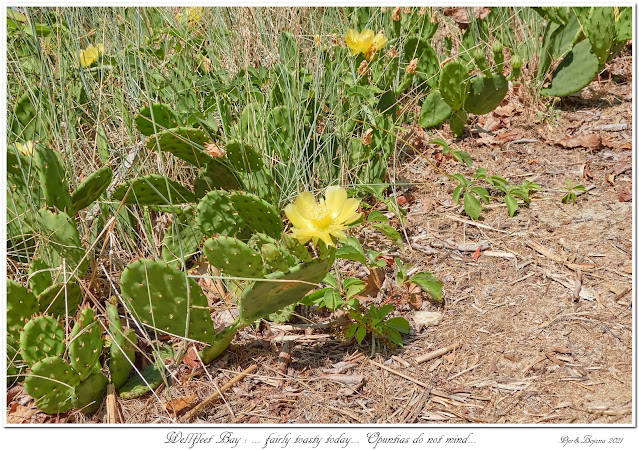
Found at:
<point>437,353</point>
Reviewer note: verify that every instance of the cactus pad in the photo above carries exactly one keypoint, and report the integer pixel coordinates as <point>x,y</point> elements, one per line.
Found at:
<point>21,305</point>
<point>58,301</point>
<point>427,61</point>
<point>243,157</point>
<point>122,348</point>
<point>92,188</point>
<point>216,214</point>
<point>138,385</point>
<point>182,238</point>
<point>183,142</point>
<point>269,296</point>
<point>88,395</point>
<point>578,68</point>
<point>233,257</point>
<point>457,121</point>
<point>157,296</point>
<point>221,342</point>
<point>164,117</point>
<point>40,277</point>
<point>296,248</point>
<point>61,236</point>
<point>42,336</point>
<point>52,180</point>
<point>85,346</point>
<point>453,84</point>
<point>154,190</point>
<point>600,31</point>
<point>51,383</point>
<point>216,176</point>
<point>486,93</point>
<point>434,110</point>
<point>259,215</point>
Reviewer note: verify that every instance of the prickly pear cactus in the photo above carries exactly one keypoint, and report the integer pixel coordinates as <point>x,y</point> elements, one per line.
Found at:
<point>578,68</point>
<point>42,337</point>
<point>259,215</point>
<point>153,190</point>
<point>40,276</point>
<point>60,299</point>
<point>88,395</point>
<point>184,142</point>
<point>486,93</point>
<point>600,31</point>
<point>52,179</point>
<point>267,297</point>
<point>160,298</point>
<point>427,61</point>
<point>243,157</point>
<point>51,382</point>
<point>61,241</point>
<point>85,345</point>
<point>216,214</point>
<point>216,176</point>
<point>92,188</point>
<point>122,348</point>
<point>21,306</point>
<point>233,257</point>
<point>183,237</point>
<point>457,121</point>
<point>453,82</point>
<point>163,116</point>
<point>434,110</point>
<point>141,383</point>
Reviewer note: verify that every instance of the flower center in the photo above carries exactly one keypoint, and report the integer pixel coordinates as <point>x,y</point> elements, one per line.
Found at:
<point>321,215</point>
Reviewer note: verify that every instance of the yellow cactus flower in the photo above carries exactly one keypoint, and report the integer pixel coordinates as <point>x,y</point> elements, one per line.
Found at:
<point>193,14</point>
<point>366,42</point>
<point>321,220</point>
<point>27,148</point>
<point>89,55</point>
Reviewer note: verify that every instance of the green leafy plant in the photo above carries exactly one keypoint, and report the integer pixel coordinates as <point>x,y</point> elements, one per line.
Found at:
<point>571,192</point>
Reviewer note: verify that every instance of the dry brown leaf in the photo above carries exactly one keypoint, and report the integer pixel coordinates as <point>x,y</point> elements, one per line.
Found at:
<point>179,405</point>
<point>625,194</point>
<point>509,136</point>
<point>415,296</point>
<point>586,173</point>
<point>19,414</point>
<point>591,141</point>
<point>191,359</point>
<point>533,161</point>
<point>610,178</point>
<point>458,15</point>
<point>481,12</point>
<point>508,110</point>
<point>490,123</point>
<point>373,283</point>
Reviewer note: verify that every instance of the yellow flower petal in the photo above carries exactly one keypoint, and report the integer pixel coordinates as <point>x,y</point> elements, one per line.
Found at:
<point>380,41</point>
<point>366,39</point>
<point>295,217</point>
<point>348,211</point>
<point>305,203</point>
<point>335,198</point>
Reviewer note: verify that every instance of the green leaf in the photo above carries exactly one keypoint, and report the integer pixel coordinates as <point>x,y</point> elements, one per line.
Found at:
<point>399,323</point>
<point>472,206</point>
<point>401,271</point>
<point>333,300</point>
<point>442,143</point>
<point>481,173</point>
<point>330,280</point>
<point>463,157</point>
<point>482,192</point>
<point>385,310</point>
<point>361,334</point>
<point>376,216</point>
<point>457,193</point>
<point>394,337</point>
<point>459,177</point>
<point>429,284</point>
<point>351,253</point>
<point>511,204</point>
<point>352,328</point>
<point>390,232</point>
<point>314,297</point>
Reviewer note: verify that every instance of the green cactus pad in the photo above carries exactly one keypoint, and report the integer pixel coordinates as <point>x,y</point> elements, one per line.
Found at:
<point>165,117</point>
<point>52,180</point>
<point>486,93</point>
<point>233,257</point>
<point>16,367</point>
<point>157,296</point>
<point>216,176</point>
<point>154,190</point>
<point>60,235</point>
<point>457,121</point>
<point>42,336</point>
<point>88,395</point>
<point>243,157</point>
<point>427,61</point>
<point>623,27</point>
<point>138,385</point>
<point>434,110</point>
<point>259,215</point>
<point>21,306</point>
<point>578,68</point>
<point>183,142</point>
<point>122,348</point>
<point>58,301</point>
<point>40,276</point>
<point>92,188</point>
<point>28,125</point>
<point>261,183</point>
<point>221,343</point>
<point>283,315</point>
<point>51,383</point>
<point>181,240</point>
<point>85,345</point>
<point>453,84</point>
<point>23,197</point>
<point>600,31</point>
<point>296,248</point>
<point>269,296</point>
<point>216,214</point>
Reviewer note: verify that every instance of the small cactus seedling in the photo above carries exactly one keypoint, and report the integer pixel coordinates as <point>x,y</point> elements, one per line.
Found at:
<point>153,190</point>
<point>92,188</point>
<point>434,110</point>
<point>163,116</point>
<point>183,142</point>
